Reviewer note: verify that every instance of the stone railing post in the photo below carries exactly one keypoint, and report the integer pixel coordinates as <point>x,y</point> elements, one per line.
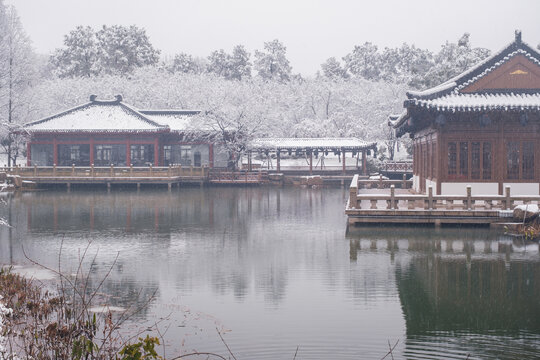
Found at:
<point>54,170</point>
<point>112,170</point>
<point>380,181</point>
<point>35,170</point>
<point>353,193</point>
<point>469,198</point>
<point>508,201</point>
<point>72,169</point>
<point>404,183</point>
<point>393,202</point>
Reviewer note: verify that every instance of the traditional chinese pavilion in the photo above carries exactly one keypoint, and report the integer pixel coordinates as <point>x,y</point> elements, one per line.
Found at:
<point>480,128</point>
<point>111,132</point>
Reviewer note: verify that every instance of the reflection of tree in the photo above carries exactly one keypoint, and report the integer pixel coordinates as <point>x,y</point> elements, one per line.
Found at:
<point>120,289</point>
<point>449,294</point>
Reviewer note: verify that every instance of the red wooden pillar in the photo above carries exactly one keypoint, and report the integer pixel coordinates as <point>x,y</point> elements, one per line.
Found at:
<point>128,152</point>
<point>156,151</point>
<point>364,163</point>
<point>343,157</point>
<point>28,154</point>
<point>311,162</point>
<point>55,151</point>
<point>92,150</point>
<point>278,159</point>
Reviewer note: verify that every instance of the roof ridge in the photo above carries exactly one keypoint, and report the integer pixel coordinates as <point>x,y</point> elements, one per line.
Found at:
<point>142,116</point>
<point>461,80</point>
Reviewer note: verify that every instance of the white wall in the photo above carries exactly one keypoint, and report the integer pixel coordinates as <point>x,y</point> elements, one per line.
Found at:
<point>416,183</point>
<point>448,188</point>
<point>522,188</point>
<point>432,184</point>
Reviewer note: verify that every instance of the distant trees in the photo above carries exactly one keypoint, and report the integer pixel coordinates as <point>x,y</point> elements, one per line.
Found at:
<point>111,50</point>
<point>418,68</point>
<point>272,63</point>
<point>17,73</point>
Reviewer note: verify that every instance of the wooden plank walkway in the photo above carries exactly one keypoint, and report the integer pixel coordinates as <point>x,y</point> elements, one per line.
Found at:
<point>391,205</point>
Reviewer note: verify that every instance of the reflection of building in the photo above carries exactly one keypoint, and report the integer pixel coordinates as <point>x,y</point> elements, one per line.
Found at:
<point>111,132</point>
<point>480,128</point>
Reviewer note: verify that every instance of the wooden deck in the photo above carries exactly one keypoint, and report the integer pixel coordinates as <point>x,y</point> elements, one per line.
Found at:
<point>400,206</point>
<point>52,175</point>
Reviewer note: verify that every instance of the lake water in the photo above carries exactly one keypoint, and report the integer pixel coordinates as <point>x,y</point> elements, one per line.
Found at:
<point>275,270</point>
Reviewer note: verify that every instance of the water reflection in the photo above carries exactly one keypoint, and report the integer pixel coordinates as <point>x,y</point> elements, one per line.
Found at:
<point>462,284</point>
<point>277,268</point>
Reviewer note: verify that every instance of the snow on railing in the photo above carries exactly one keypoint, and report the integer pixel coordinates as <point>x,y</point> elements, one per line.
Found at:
<point>111,171</point>
<point>393,201</point>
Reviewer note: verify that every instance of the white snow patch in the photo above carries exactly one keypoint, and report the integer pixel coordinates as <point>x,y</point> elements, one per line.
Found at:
<point>105,309</point>
<point>34,273</point>
<point>4,311</point>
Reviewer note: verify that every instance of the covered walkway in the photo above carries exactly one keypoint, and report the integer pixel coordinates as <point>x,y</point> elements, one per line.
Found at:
<point>312,147</point>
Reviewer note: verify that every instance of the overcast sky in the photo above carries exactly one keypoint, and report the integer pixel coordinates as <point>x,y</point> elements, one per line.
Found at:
<point>312,30</point>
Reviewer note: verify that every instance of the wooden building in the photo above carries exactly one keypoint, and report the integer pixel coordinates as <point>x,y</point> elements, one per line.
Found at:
<point>480,128</point>
<point>111,132</point>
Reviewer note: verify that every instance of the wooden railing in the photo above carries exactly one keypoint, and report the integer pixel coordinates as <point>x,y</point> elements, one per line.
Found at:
<point>429,201</point>
<point>36,172</point>
<point>397,166</point>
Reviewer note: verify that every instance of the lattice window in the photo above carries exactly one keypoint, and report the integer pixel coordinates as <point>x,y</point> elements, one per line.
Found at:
<point>486,161</point>
<point>452,160</point>
<point>528,160</point>
<point>464,159</point>
<point>475,160</point>
<point>512,160</point>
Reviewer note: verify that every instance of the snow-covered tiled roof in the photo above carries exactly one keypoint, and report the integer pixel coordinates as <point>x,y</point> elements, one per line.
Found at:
<point>176,120</point>
<point>481,102</point>
<point>115,116</point>
<point>311,143</point>
<point>97,116</point>
<point>483,68</point>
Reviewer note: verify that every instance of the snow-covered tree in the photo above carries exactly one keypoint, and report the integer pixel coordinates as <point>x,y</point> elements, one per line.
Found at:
<point>80,56</point>
<point>364,61</point>
<point>332,69</point>
<point>186,63</point>
<point>111,50</point>
<point>219,63</point>
<point>453,59</point>
<point>123,49</point>
<point>240,65</point>
<point>17,72</point>
<point>272,63</point>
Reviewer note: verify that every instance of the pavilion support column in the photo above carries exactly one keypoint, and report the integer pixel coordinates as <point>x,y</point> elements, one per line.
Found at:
<point>91,150</point>
<point>128,152</point>
<point>364,163</point>
<point>156,151</point>
<point>278,158</point>
<point>55,151</point>
<point>311,162</point>
<point>343,162</point>
<point>28,154</point>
